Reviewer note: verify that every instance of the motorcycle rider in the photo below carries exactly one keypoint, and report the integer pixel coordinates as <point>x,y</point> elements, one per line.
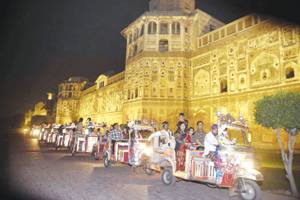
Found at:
<point>211,142</point>
<point>115,135</point>
<point>167,138</point>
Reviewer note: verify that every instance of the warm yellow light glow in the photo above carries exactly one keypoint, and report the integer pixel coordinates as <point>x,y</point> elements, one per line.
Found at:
<point>247,164</point>
<point>225,69</point>
<point>36,132</point>
<point>249,138</point>
<point>147,151</point>
<point>50,96</point>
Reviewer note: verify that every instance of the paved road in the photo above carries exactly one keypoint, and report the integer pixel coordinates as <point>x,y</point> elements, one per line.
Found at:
<point>39,173</point>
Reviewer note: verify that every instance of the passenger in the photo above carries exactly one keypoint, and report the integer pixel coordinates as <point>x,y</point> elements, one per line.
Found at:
<point>90,126</point>
<point>79,126</point>
<point>170,142</point>
<point>180,147</point>
<point>182,119</point>
<point>61,129</point>
<point>105,136</point>
<point>98,133</point>
<point>115,135</point>
<point>211,143</point>
<point>105,133</point>
<point>166,130</point>
<point>125,131</point>
<point>190,132</point>
<point>199,135</point>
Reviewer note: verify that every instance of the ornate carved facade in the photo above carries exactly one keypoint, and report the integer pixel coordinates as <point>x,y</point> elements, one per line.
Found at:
<point>69,93</point>
<point>184,60</point>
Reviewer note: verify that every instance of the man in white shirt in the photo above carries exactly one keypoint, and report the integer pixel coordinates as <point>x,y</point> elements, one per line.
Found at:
<point>211,141</point>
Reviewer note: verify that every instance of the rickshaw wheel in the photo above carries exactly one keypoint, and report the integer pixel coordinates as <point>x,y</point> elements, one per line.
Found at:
<point>106,162</point>
<point>253,191</point>
<point>167,176</point>
<point>95,155</point>
<point>211,185</point>
<point>148,170</point>
<point>73,150</point>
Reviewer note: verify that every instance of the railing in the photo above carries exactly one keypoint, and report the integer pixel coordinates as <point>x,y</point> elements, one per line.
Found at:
<point>203,168</point>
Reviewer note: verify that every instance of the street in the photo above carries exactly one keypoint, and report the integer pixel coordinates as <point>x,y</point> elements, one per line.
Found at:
<point>36,172</point>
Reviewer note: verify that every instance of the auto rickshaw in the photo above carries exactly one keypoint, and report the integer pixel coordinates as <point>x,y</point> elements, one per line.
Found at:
<point>52,136</point>
<point>129,151</point>
<point>35,131</point>
<point>234,170</point>
<point>64,137</point>
<point>84,142</point>
<point>98,148</point>
<point>44,133</point>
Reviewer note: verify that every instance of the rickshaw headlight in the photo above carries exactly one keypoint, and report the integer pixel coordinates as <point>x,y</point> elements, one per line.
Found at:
<point>142,146</point>
<point>147,151</point>
<point>247,164</point>
<point>36,132</point>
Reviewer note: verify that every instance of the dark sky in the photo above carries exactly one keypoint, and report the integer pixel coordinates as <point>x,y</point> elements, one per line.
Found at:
<point>43,42</point>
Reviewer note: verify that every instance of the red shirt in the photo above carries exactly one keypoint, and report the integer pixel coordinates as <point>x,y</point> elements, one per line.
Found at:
<point>188,138</point>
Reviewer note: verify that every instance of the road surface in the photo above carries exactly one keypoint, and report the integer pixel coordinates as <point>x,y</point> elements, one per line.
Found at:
<point>37,172</point>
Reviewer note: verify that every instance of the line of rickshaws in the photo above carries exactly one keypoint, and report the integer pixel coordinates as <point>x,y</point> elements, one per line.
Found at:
<point>155,152</point>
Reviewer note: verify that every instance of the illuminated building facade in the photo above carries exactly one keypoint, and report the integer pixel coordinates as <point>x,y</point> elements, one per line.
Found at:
<point>69,93</point>
<point>180,59</point>
<point>44,111</point>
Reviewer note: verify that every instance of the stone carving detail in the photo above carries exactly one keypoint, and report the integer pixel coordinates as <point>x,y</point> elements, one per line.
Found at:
<point>201,82</point>
<point>264,69</point>
<point>288,36</point>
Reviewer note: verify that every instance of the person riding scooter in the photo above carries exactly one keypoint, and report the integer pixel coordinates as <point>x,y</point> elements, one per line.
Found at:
<point>115,135</point>
<point>211,142</point>
<point>166,136</point>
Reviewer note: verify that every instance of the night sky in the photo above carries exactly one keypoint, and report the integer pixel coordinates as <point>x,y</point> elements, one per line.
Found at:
<point>43,42</point>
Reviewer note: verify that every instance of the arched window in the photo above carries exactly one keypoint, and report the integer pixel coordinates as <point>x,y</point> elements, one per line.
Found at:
<point>152,28</point>
<point>223,86</point>
<point>242,81</point>
<point>163,45</point>
<point>289,73</point>
<point>264,76</point>
<point>142,31</point>
<point>128,94</point>
<point>175,28</point>
<point>164,28</point>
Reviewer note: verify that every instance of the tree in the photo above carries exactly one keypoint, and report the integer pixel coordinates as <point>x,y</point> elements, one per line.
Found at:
<point>282,111</point>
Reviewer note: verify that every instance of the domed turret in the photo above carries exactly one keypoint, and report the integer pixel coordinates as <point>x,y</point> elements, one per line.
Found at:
<point>186,6</point>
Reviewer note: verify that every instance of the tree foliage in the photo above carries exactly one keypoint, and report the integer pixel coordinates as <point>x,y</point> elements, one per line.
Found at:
<point>279,111</point>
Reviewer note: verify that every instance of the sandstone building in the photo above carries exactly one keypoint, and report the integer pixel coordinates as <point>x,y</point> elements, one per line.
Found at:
<point>180,59</point>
